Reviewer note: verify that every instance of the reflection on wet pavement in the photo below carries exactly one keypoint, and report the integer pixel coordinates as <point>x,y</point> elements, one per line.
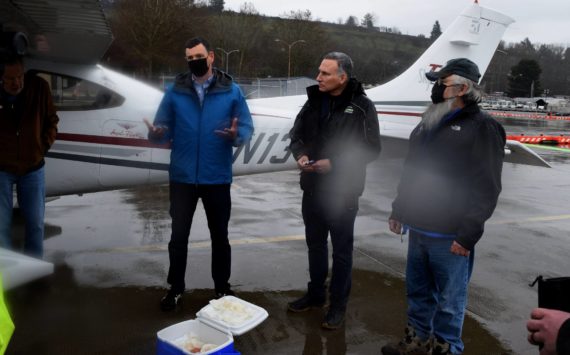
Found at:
<point>111,263</point>
<point>59,316</point>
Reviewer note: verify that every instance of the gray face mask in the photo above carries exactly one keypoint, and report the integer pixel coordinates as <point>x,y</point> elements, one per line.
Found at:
<point>198,67</point>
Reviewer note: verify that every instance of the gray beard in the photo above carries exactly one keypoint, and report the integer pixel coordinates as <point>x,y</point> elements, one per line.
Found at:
<point>435,112</point>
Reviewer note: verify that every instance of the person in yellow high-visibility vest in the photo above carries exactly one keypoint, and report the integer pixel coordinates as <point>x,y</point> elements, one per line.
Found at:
<point>6,324</point>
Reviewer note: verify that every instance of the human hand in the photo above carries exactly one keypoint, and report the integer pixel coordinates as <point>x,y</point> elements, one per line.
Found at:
<point>322,166</point>
<point>229,133</point>
<point>154,131</point>
<point>458,249</point>
<point>395,226</point>
<point>543,327</point>
<point>303,162</point>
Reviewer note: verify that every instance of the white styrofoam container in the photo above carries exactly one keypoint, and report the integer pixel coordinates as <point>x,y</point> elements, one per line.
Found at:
<point>215,331</point>
<point>259,315</point>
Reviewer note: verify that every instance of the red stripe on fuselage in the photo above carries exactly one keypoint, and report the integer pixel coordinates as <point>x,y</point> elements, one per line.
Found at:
<point>414,114</point>
<point>139,142</point>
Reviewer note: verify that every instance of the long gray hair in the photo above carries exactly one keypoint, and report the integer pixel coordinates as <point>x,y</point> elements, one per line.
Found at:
<point>474,93</point>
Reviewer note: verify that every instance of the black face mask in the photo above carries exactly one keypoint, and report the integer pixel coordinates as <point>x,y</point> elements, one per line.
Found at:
<point>437,93</point>
<point>198,67</point>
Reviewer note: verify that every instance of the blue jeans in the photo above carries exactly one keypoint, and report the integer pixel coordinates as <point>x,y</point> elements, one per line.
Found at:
<point>436,283</point>
<point>30,189</point>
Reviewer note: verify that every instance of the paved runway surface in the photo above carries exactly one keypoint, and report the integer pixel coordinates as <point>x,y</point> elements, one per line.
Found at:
<point>110,251</point>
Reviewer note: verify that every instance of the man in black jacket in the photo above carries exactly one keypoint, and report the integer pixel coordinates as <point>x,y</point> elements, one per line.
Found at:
<point>334,137</point>
<point>449,188</point>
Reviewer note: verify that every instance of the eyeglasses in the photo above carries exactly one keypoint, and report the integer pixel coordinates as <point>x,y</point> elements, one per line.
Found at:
<point>440,82</point>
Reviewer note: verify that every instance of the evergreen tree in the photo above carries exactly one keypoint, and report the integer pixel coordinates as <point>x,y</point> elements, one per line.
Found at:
<point>351,21</point>
<point>368,20</point>
<point>524,79</point>
<point>435,31</point>
<point>217,5</point>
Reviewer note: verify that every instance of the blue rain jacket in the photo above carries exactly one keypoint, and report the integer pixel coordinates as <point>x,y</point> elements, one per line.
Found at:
<point>199,155</point>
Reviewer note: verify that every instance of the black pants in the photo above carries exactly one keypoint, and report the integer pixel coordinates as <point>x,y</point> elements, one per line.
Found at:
<point>324,213</point>
<point>217,204</point>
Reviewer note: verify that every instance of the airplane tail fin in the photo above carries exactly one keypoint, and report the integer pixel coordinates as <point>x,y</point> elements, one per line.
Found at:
<point>475,34</point>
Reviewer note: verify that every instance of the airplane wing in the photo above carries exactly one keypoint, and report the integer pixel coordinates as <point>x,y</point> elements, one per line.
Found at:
<point>52,25</point>
<point>18,269</point>
<point>518,153</point>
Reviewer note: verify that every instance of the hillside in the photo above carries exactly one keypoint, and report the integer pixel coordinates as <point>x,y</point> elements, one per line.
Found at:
<point>150,43</point>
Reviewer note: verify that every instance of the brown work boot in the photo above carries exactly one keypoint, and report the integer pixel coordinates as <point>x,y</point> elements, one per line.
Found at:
<point>411,344</point>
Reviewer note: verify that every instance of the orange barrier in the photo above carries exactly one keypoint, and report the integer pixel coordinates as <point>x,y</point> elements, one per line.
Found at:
<point>541,139</point>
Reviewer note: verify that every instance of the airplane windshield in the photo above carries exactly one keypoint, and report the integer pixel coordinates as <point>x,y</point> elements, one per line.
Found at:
<point>74,94</point>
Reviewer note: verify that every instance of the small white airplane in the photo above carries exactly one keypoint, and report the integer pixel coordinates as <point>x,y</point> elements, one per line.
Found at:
<point>102,145</point>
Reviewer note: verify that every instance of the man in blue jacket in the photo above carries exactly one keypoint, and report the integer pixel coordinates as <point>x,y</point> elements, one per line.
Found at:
<point>202,115</point>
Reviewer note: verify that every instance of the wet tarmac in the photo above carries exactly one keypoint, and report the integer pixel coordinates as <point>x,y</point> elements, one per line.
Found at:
<point>110,252</point>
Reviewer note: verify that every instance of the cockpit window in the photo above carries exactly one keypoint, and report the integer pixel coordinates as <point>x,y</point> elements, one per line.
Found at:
<point>74,94</point>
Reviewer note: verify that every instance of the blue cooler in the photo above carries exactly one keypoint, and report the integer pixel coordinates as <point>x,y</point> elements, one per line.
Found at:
<point>209,330</point>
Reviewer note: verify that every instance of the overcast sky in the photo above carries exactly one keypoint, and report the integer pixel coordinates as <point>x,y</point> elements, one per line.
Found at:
<point>546,21</point>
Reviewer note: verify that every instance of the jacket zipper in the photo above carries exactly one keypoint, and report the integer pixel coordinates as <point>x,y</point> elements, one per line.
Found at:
<point>19,127</point>
<point>199,133</point>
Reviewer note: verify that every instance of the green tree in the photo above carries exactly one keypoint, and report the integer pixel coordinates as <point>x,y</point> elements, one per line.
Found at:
<point>435,31</point>
<point>351,21</point>
<point>300,15</point>
<point>241,31</point>
<point>551,58</point>
<point>495,77</point>
<point>524,79</point>
<point>217,5</point>
<point>148,33</point>
<point>304,55</point>
<point>186,3</point>
<point>247,8</point>
<point>368,20</point>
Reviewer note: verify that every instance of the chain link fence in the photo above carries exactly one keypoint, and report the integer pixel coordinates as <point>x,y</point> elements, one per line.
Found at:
<point>256,88</point>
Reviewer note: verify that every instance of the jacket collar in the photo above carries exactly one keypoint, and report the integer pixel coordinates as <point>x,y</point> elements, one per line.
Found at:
<point>472,107</point>
<point>220,82</point>
<point>352,89</point>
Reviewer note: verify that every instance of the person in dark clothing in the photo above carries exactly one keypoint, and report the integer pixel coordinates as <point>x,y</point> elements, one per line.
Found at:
<point>549,328</point>
<point>449,187</point>
<point>335,135</point>
<point>28,122</point>
<point>202,115</point>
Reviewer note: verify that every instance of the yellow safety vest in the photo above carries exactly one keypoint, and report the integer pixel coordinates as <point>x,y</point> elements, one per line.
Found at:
<point>6,324</point>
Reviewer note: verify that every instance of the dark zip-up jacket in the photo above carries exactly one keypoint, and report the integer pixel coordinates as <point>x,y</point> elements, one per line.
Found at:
<point>199,155</point>
<point>28,127</point>
<point>452,176</point>
<point>563,340</point>
<point>343,129</point>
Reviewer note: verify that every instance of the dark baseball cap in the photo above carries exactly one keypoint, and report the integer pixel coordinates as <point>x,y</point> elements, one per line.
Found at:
<point>458,66</point>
